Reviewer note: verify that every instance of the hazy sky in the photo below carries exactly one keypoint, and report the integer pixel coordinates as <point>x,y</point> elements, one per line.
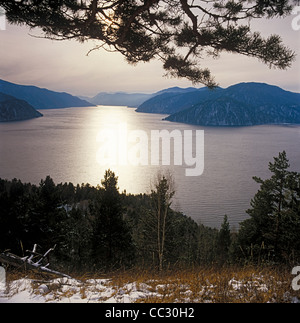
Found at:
<point>64,66</point>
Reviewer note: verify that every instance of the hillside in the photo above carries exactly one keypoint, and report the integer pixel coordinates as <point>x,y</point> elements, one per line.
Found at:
<point>12,109</point>
<point>41,98</point>
<point>243,104</point>
<point>175,99</point>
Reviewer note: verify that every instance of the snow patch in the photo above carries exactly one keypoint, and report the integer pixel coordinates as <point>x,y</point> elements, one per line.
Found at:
<point>65,290</point>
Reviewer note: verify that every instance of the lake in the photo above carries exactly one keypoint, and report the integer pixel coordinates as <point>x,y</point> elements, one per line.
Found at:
<point>65,144</point>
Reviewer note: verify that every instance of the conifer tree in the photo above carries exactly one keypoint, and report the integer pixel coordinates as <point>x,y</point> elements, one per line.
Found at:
<point>112,245</point>
<point>224,240</point>
<point>273,230</point>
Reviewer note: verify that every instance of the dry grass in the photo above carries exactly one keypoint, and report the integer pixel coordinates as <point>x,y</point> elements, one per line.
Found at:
<point>211,284</point>
<point>197,285</point>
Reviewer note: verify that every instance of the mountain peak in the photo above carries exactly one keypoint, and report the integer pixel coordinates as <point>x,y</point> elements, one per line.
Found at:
<point>256,86</point>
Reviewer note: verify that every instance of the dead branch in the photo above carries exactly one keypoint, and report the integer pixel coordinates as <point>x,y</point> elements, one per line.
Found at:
<point>28,263</point>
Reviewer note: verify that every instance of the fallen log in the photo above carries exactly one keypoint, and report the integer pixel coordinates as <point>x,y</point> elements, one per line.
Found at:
<point>28,263</point>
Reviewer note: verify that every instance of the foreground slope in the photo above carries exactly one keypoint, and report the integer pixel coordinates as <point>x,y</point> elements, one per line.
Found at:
<point>199,285</point>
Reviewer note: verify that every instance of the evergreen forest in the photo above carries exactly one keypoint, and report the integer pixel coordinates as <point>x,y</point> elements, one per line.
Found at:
<point>102,229</point>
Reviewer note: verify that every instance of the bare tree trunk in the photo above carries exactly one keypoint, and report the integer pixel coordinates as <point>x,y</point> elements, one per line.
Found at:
<point>158,238</point>
<point>162,196</point>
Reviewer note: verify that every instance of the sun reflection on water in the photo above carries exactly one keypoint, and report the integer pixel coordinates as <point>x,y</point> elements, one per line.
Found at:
<point>115,123</point>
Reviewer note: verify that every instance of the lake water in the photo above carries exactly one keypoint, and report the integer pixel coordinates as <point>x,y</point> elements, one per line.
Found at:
<point>63,144</point>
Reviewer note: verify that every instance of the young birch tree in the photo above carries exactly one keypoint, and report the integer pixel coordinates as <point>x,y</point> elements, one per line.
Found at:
<point>161,196</point>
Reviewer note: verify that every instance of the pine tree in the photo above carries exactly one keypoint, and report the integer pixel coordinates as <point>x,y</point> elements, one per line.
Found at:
<point>180,33</point>
<point>112,245</point>
<point>224,240</point>
<point>12,209</point>
<point>48,214</point>
<point>273,230</point>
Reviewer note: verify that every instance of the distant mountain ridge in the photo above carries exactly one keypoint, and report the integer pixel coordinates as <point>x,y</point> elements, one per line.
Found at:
<point>132,99</point>
<point>41,98</point>
<point>12,109</point>
<point>119,99</point>
<point>242,104</point>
